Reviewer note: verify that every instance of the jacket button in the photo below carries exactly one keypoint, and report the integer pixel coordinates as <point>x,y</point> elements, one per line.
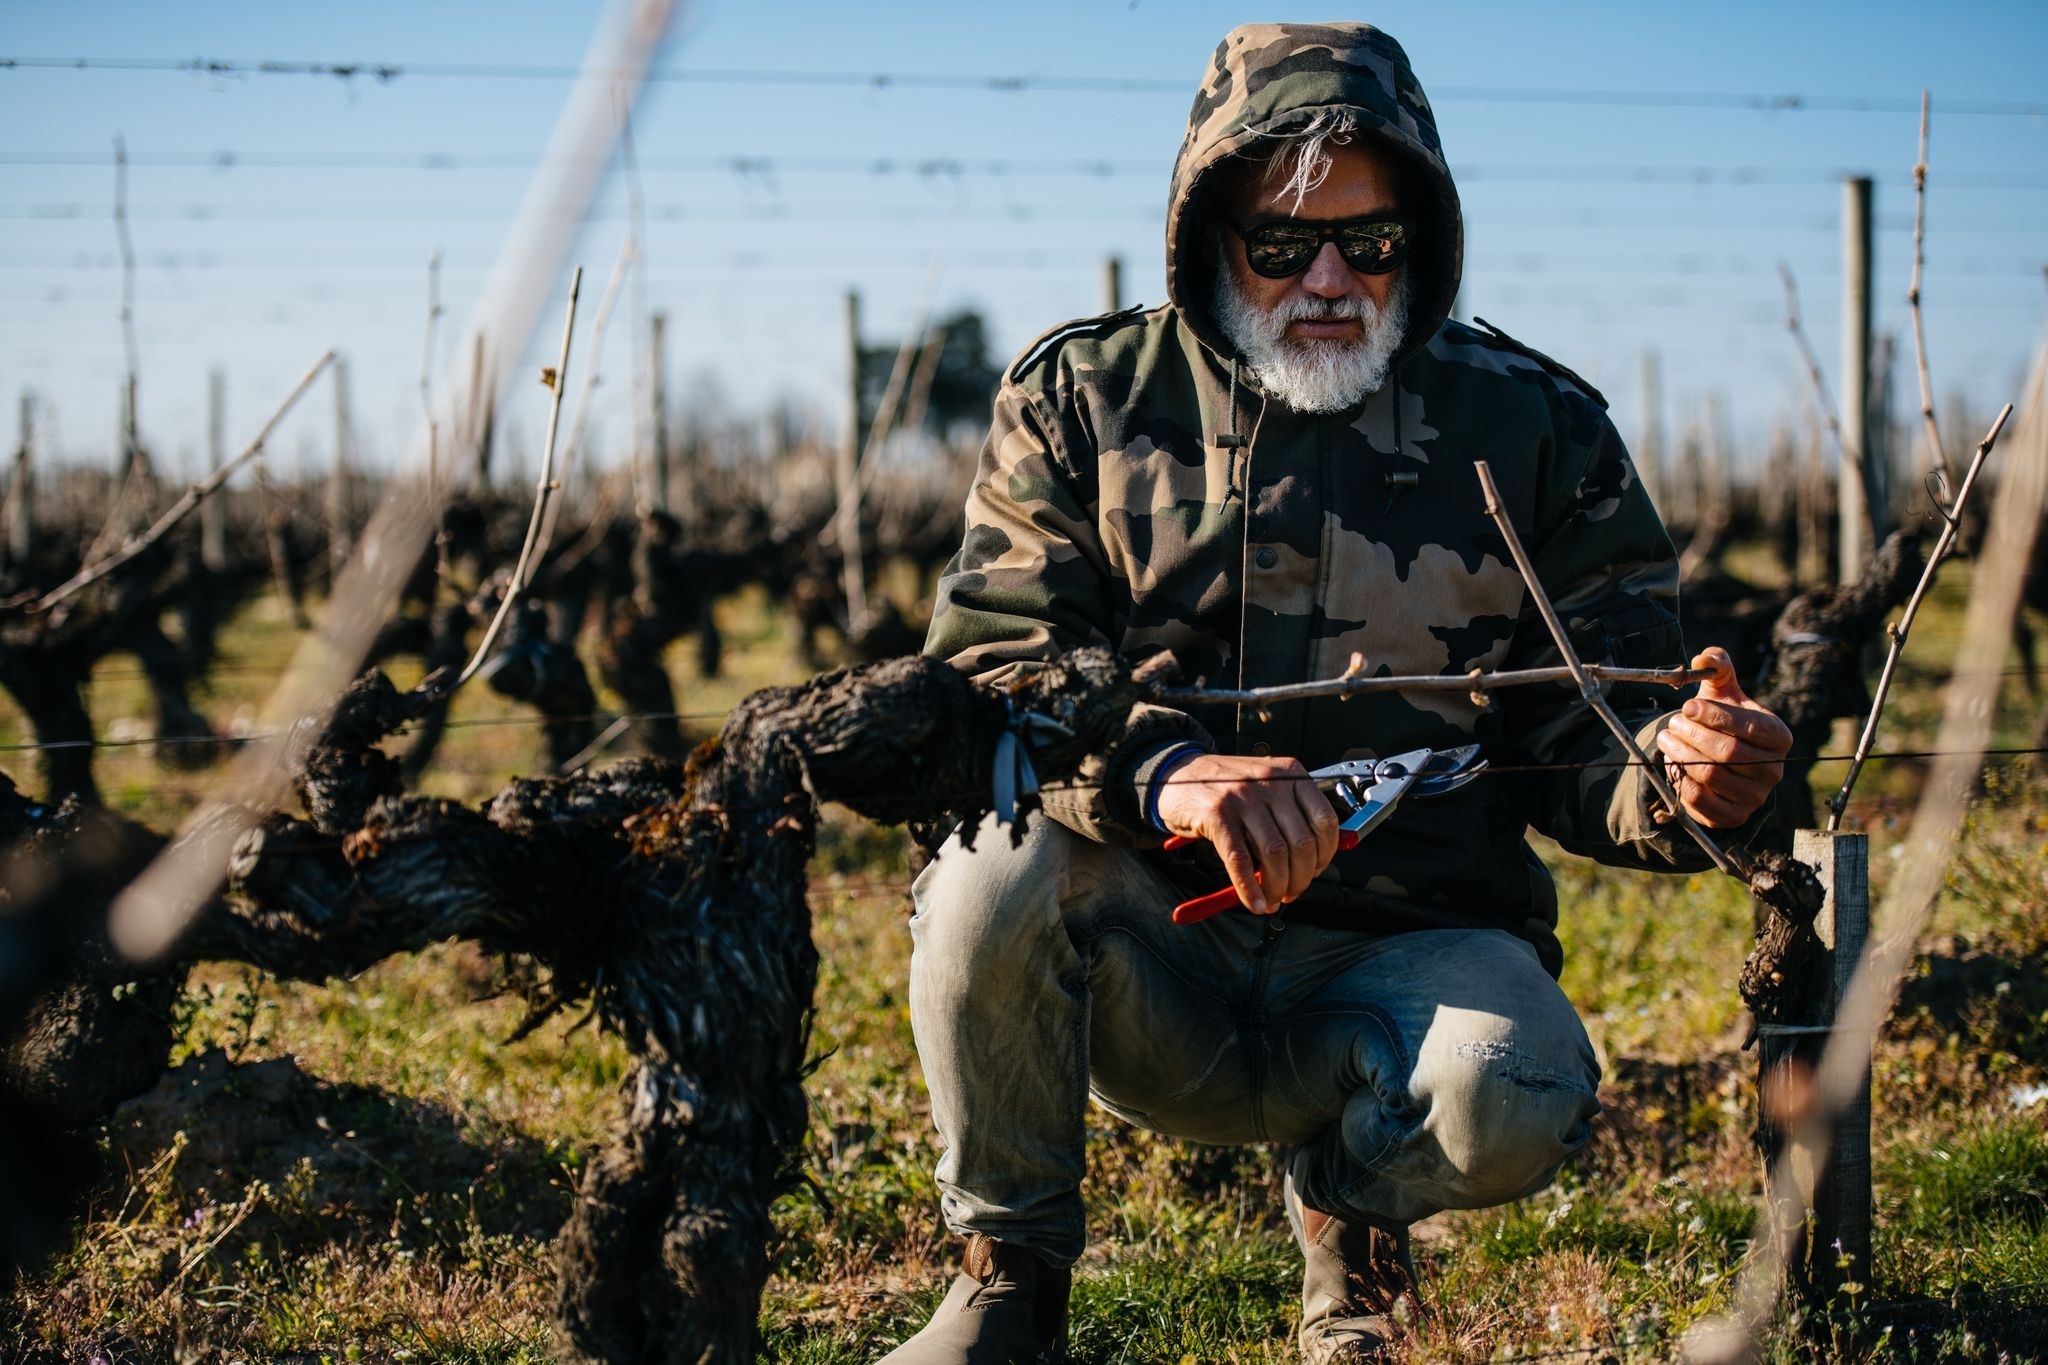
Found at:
<point>1261,749</point>
<point>1266,558</point>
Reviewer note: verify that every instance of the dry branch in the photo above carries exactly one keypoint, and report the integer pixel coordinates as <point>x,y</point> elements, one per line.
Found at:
<point>1853,459</point>
<point>1817,649</point>
<point>427,412</point>
<point>1934,450</point>
<point>556,379</point>
<point>1589,688</point>
<point>1899,630</point>
<point>149,915</point>
<point>133,460</point>
<point>1354,683</point>
<point>180,509</point>
<point>673,899</point>
<point>1969,705</point>
<point>573,446</point>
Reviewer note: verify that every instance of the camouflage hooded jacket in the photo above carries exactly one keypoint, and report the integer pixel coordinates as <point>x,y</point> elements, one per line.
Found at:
<point>1138,489</point>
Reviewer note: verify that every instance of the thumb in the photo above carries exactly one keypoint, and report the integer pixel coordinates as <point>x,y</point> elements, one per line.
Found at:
<point>1722,687</point>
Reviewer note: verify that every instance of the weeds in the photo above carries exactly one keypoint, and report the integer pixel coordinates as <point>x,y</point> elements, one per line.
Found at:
<point>364,1170</point>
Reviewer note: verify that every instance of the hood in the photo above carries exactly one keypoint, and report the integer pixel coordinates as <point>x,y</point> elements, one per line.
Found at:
<point>1268,79</point>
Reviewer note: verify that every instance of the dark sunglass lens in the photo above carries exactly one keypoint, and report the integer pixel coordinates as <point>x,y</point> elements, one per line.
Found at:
<point>1374,248</point>
<point>1274,252</point>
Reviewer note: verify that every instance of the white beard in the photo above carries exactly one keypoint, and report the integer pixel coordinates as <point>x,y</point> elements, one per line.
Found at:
<point>1311,375</point>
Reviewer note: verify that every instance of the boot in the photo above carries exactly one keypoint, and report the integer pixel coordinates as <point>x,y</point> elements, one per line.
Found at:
<point>1007,1307</point>
<point>1358,1286</point>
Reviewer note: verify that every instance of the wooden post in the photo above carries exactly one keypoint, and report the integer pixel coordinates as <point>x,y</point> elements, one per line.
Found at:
<point>1717,467</point>
<point>1112,284</point>
<point>1650,447</point>
<point>852,578</point>
<point>213,513</point>
<point>20,522</point>
<point>483,420</point>
<point>1857,506</point>
<point>657,416</point>
<point>1880,461</point>
<point>134,460</point>
<point>1815,567</point>
<point>338,478</point>
<point>1839,1252</point>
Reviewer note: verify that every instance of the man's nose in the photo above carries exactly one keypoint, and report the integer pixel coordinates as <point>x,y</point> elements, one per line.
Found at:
<point>1328,277</point>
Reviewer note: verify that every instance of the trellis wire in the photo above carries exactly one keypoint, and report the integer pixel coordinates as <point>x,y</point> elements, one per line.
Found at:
<point>474,722</point>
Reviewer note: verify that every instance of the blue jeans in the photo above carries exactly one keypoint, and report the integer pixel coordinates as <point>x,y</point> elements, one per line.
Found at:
<point>1414,1072</point>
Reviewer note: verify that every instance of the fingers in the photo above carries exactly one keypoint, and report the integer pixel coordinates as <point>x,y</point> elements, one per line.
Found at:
<point>1722,686</point>
<point>1235,850</point>
<point>1750,724</point>
<point>1282,842</point>
<point>1713,809</point>
<point>1322,820</point>
<point>1742,770</point>
<point>1305,826</point>
<point>1723,781</point>
<point>1273,831</point>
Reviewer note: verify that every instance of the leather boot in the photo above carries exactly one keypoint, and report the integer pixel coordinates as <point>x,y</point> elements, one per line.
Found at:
<point>1358,1286</point>
<point>1007,1307</point>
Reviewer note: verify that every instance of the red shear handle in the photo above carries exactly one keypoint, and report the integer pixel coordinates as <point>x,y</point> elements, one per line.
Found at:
<point>1202,907</point>
<point>1216,902</point>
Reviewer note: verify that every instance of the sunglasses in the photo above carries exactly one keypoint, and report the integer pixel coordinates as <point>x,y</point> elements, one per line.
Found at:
<point>1371,246</point>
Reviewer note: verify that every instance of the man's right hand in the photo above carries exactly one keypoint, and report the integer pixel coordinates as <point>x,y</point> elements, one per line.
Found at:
<point>1262,814</point>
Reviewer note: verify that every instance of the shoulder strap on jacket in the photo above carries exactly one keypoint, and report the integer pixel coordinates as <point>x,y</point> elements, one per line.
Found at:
<point>1052,338</point>
<point>1552,366</point>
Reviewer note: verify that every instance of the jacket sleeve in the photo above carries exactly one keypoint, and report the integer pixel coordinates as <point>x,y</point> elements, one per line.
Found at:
<point>1603,555</point>
<point>1031,582</point>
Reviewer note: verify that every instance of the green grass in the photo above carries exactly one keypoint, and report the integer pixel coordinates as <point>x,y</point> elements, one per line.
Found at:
<point>369,1170</point>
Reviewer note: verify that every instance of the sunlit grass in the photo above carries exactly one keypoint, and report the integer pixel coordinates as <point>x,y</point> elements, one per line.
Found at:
<point>415,1224</point>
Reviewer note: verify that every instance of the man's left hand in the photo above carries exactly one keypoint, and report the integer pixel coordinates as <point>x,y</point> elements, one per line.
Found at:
<point>1723,752</point>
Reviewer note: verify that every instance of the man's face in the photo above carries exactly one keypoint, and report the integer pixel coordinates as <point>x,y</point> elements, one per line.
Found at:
<point>1323,338</point>
<point>1361,184</point>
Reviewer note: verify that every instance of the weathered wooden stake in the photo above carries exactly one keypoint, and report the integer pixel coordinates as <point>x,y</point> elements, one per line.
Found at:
<point>483,420</point>
<point>1649,451</point>
<point>1857,500</point>
<point>657,415</point>
<point>1837,1261</point>
<point>848,471</point>
<point>1814,566</point>
<point>213,513</point>
<point>21,488</point>
<point>338,477</point>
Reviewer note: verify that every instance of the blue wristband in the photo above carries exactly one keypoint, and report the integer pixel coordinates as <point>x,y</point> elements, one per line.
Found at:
<point>1172,762</point>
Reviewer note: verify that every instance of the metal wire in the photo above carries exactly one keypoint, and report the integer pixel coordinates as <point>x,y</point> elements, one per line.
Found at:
<point>606,717</point>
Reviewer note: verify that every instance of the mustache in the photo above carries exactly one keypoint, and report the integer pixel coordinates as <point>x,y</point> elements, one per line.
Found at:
<point>1312,309</point>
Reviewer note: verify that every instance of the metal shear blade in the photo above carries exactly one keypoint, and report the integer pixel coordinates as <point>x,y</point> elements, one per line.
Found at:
<point>1365,791</point>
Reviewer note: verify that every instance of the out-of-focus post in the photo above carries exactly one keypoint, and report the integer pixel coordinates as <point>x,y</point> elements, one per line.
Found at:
<point>338,478</point>
<point>1650,445</point>
<point>20,524</point>
<point>849,475</point>
<point>1861,519</point>
<point>657,414</point>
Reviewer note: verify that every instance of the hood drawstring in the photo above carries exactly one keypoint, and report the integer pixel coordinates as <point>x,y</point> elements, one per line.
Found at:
<point>1233,443</point>
<point>1230,440</point>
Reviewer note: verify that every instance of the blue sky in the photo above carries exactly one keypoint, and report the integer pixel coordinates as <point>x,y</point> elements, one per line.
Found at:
<point>257,267</point>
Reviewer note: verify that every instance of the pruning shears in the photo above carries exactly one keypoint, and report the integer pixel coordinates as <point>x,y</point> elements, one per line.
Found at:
<point>1365,792</point>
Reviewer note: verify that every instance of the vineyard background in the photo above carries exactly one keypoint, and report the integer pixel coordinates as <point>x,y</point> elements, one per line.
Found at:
<point>367,1171</point>
<point>373,1170</point>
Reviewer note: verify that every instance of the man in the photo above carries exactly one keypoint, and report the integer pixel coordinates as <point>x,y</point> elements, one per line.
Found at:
<point>1267,476</point>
